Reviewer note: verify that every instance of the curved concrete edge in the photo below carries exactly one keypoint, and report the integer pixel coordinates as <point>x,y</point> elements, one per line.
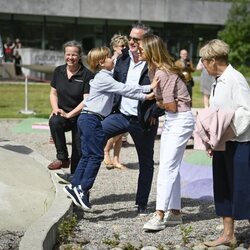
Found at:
<point>42,234</point>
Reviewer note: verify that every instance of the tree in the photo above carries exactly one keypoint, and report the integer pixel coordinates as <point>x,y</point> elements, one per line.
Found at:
<point>237,33</point>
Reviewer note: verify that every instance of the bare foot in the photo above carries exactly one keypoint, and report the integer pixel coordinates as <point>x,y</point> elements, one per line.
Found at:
<point>107,160</point>
<point>222,240</point>
<point>119,166</point>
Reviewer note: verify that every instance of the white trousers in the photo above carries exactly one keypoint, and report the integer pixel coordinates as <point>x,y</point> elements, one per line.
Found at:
<point>178,128</point>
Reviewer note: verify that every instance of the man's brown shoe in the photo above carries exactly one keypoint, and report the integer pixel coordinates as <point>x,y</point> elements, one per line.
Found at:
<point>58,164</point>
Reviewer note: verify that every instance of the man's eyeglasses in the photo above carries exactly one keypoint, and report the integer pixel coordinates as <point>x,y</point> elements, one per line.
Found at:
<point>135,39</point>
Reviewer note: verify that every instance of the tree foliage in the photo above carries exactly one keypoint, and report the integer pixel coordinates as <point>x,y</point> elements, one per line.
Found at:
<point>237,32</point>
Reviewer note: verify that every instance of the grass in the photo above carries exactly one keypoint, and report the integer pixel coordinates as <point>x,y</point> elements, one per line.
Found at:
<point>197,99</point>
<point>13,99</point>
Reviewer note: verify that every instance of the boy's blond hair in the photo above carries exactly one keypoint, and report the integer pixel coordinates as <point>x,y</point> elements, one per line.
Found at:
<point>96,55</point>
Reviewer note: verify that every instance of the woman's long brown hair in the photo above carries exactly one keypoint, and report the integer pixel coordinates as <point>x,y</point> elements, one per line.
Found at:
<point>157,55</point>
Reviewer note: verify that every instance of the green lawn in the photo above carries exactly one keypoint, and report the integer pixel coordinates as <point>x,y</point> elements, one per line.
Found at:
<point>12,99</point>
<point>197,96</point>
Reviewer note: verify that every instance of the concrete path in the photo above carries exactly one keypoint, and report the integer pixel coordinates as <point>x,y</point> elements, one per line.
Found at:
<point>30,199</point>
<point>26,191</point>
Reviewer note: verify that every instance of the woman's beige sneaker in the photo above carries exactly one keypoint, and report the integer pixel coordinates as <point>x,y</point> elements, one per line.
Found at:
<point>172,219</point>
<point>154,224</point>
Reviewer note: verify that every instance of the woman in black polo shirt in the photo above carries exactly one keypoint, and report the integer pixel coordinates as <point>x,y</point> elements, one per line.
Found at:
<point>69,86</point>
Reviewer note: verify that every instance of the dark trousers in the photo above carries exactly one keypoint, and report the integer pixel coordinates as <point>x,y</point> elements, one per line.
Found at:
<point>144,143</point>
<point>92,145</point>
<point>190,91</point>
<point>231,177</point>
<point>58,127</point>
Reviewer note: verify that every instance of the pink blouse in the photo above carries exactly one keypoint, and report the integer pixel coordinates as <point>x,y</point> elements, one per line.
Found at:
<point>171,88</point>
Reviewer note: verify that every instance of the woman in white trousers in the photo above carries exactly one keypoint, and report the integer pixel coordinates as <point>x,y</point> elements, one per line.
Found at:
<point>171,95</point>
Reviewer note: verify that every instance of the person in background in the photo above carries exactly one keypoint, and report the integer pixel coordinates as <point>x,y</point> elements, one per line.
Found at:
<point>186,66</point>
<point>18,44</point>
<point>69,87</point>
<point>205,83</point>
<point>139,118</point>
<point>97,106</point>
<point>18,61</point>
<point>231,168</point>
<point>172,95</point>
<point>9,50</point>
<point>118,43</point>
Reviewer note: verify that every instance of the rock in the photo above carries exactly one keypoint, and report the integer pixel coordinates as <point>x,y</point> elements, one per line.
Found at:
<point>150,248</point>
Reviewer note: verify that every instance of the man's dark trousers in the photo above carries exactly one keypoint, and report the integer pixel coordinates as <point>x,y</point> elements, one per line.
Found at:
<point>144,143</point>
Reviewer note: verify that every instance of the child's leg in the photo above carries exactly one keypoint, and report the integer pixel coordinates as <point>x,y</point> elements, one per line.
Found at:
<point>93,149</point>
<point>79,171</point>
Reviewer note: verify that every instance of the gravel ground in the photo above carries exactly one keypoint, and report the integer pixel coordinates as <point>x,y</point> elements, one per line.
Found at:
<point>113,222</point>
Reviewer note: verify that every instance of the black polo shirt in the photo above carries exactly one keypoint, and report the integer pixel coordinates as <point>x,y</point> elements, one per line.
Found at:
<point>70,91</point>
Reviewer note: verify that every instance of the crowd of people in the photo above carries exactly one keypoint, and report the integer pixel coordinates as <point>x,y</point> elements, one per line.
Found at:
<point>127,93</point>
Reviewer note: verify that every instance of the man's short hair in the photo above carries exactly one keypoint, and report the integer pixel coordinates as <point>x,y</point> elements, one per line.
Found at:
<point>142,26</point>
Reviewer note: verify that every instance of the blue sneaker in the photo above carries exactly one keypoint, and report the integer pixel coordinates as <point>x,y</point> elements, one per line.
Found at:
<point>83,197</point>
<point>70,192</point>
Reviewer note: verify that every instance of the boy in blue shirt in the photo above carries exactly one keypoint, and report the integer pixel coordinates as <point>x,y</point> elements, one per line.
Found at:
<point>96,107</point>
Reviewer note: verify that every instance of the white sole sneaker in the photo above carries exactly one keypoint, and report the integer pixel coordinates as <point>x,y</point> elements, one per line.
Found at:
<point>171,219</point>
<point>61,179</point>
<point>74,199</point>
<point>79,196</point>
<point>153,228</point>
<point>154,224</point>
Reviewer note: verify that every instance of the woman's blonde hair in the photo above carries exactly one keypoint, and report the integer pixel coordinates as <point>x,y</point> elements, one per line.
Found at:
<point>118,40</point>
<point>96,55</point>
<point>157,55</point>
<point>215,48</point>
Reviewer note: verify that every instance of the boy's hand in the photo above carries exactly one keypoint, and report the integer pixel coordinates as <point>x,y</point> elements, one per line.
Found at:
<point>155,82</point>
<point>150,96</point>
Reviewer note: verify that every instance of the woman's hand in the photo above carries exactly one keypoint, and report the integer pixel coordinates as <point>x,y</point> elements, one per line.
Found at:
<point>65,115</point>
<point>210,152</point>
<point>159,103</point>
<point>62,113</point>
<point>170,107</point>
<point>57,111</point>
<point>155,82</point>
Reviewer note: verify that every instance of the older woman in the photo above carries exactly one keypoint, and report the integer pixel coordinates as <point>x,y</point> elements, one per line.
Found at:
<point>231,168</point>
<point>69,86</point>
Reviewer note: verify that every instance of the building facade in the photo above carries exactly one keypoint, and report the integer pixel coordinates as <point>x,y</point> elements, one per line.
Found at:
<point>47,24</point>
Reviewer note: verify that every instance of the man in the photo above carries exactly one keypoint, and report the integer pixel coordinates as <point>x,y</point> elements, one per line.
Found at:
<point>186,66</point>
<point>137,118</point>
<point>69,85</point>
